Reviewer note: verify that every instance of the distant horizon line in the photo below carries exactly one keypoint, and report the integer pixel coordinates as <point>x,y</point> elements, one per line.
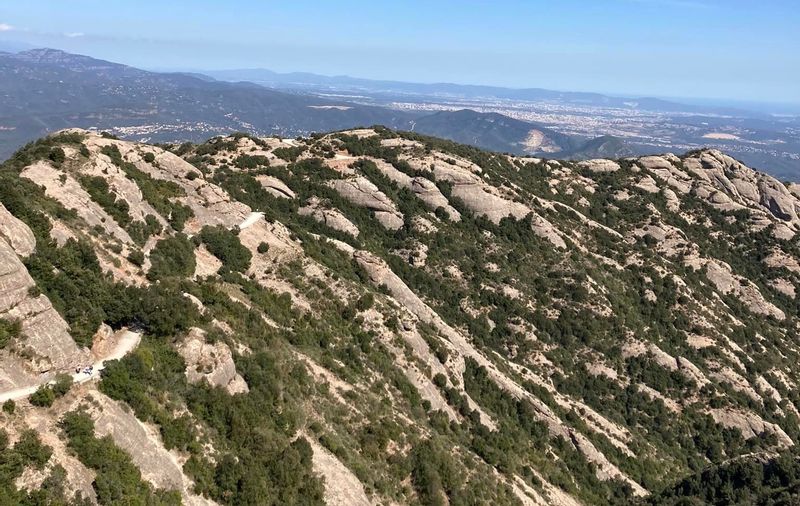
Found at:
<point>612,94</point>
<point>681,100</point>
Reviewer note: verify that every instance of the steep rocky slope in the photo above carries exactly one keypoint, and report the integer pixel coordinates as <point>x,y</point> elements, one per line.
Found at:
<point>365,317</point>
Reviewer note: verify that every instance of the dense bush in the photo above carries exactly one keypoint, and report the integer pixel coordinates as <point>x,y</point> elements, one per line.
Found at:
<point>172,257</point>
<point>48,393</point>
<point>745,481</point>
<point>225,245</point>
<point>251,161</point>
<point>98,189</point>
<point>28,452</point>
<point>290,154</point>
<point>158,193</point>
<point>9,330</point>
<point>117,479</point>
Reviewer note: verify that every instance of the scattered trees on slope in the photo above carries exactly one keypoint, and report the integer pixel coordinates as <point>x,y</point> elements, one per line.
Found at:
<point>225,245</point>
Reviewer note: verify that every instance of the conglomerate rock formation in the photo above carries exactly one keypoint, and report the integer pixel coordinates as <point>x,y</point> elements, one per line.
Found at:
<point>372,317</point>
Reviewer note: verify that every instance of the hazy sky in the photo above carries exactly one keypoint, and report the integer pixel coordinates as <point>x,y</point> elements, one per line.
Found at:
<point>730,49</point>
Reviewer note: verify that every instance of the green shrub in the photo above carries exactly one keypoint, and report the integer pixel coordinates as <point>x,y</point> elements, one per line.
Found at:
<point>136,257</point>
<point>290,154</point>
<point>43,397</point>
<point>57,156</point>
<point>9,407</point>
<point>225,245</point>
<point>263,247</point>
<point>9,329</point>
<point>62,384</point>
<point>48,393</point>
<point>98,189</point>
<point>251,161</point>
<point>172,257</point>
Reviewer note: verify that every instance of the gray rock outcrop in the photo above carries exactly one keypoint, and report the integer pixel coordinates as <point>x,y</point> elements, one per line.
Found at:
<point>210,362</point>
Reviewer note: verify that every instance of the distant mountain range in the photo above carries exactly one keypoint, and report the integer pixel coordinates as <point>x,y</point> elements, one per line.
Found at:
<point>500,133</point>
<point>45,90</point>
<point>320,83</point>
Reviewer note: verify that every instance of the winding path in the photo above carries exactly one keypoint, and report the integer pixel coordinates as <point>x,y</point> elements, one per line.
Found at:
<point>251,219</point>
<point>127,342</point>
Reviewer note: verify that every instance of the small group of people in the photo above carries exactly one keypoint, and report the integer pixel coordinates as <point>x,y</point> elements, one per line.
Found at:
<point>85,370</point>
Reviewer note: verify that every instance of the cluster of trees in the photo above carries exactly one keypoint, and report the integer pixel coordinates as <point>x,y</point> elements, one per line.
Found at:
<point>74,282</point>
<point>225,245</point>
<point>98,189</point>
<point>119,210</point>
<point>117,478</point>
<point>290,154</point>
<point>262,462</point>
<point>29,451</point>
<point>158,193</point>
<point>172,257</point>
<point>45,148</point>
<point>744,481</point>
<point>49,392</point>
<point>251,161</point>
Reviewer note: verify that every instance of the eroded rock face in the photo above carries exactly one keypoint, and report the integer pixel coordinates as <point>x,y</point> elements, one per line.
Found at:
<point>328,216</point>
<point>425,189</point>
<point>750,425</point>
<point>275,186</point>
<point>44,332</point>
<point>142,442</point>
<point>743,186</point>
<point>16,233</point>
<point>206,264</point>
<point>210,362</point>
<point>720,274</point>
<point>479,196</point>
<point>599,165</point>
<point>66,190</point>
<point>342,487</point>
<point>362,192</point>
<point>211,204</point>
<point>665,168</point>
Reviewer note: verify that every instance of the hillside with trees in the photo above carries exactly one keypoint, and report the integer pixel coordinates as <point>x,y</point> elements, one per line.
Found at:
<point>376,317</point>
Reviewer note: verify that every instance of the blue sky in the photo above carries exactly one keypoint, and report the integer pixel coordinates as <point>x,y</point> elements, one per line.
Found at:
<point>724,49</point>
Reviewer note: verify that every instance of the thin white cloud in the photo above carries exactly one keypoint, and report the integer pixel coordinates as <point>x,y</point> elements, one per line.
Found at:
<point>5,27</point>
<point>73,35</point>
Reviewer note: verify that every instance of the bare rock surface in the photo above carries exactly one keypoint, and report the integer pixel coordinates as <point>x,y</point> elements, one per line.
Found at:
<point>275,186</point>
<point>425,189</point>
<point>206,264</point>
<point>210,362</point>
<point>16,233</point>
<point>328,216</point>
<point>72,196</point>
<point>45,334</point>
<point>720,274</point>
<point>142,442</point>
<point>750,424</point>
<point>599,165</point>
<point>362,192</point>
<point>342,487</point>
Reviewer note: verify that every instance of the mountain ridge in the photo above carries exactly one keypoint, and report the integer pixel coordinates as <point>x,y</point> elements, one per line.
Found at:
<point>53,89</point>
<point>430,321</point>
